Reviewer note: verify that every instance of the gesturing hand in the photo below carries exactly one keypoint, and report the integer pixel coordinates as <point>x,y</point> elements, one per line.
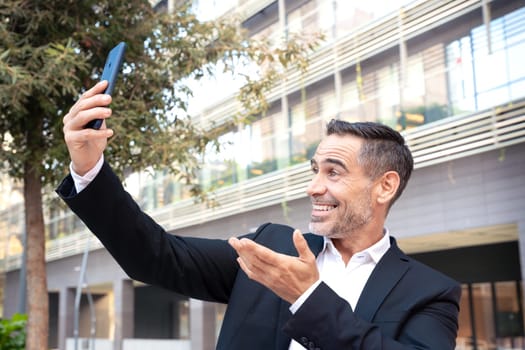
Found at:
<point>85,146</point>
<point>287,276</point>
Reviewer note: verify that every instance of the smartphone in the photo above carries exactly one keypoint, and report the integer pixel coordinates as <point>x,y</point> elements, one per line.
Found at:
<point>110,73</point>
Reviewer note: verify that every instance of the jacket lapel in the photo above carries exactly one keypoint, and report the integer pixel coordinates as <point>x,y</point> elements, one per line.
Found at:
<point>283,341</point>
<point>392,266</point>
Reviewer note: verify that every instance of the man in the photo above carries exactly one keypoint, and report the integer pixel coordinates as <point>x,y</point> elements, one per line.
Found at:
<point>346,286</point>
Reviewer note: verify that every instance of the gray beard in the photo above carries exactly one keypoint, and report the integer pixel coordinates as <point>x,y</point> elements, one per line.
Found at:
<point>350,223</point>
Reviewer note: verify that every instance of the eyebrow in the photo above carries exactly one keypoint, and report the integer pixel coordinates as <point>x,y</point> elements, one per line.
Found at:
<point>330,161</point>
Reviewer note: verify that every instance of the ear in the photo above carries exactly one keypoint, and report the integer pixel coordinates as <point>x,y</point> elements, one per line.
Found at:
<point>387,187</point>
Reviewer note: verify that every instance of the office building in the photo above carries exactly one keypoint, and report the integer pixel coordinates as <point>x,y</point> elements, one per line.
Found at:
<point>449,74</point>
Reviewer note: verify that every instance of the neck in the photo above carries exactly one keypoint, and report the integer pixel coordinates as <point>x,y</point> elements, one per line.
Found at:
<point>356,242</point>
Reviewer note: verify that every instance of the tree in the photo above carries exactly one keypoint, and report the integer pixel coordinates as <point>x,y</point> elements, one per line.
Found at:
<point>53,50</point>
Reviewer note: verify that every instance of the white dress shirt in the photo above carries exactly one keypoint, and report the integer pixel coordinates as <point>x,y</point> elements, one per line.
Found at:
<point>81,182</point>
<point>347,281</point>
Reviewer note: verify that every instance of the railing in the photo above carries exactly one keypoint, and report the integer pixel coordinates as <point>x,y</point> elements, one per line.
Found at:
<point>131,344</point>
<point>462,136</point>
<point>439,142</point>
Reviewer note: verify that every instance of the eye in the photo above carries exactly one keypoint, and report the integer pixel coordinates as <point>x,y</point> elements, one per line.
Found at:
<point>332,172</point>
<point>314,169</point>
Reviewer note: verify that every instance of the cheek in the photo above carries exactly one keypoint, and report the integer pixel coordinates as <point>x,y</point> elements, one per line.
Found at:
<point>349,193</point>
<point>342,192</point>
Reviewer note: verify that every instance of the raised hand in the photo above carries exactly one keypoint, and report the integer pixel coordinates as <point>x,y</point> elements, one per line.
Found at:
<point>85,145</point>
<point>287,276</point>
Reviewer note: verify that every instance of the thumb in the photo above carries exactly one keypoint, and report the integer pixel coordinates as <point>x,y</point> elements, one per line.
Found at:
<point>302,246</point>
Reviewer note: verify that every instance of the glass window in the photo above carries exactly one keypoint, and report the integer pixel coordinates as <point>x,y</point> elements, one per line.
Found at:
<point>327,16</point>
<point>435,84</point>
<point>220,165</point>
<point>484,316</point>
<point>211,9</point>
<point>509,315</point>
<point>271,32</point>
<point>414,90</point>
<point>460,76</point>
<point>303,19</point>
<point>350,101</point>
<point>297,133</point>
<point>484,73</point>
<point>351,15</point>
<point>516,66</point>
<point>388,94</point>
<point>491,316</point>
<point>465,336</point>
<point>490,71</point>
<point>307,125</point>
<point>261,149</point>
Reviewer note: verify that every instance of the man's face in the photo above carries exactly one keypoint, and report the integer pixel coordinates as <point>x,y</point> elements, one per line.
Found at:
<point>340,192</point>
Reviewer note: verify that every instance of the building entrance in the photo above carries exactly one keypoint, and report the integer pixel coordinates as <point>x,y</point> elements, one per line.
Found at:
<point>491,308</point>
<point>491,316</point>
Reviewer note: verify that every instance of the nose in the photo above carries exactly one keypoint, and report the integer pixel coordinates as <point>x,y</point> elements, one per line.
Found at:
<point>316,186</point>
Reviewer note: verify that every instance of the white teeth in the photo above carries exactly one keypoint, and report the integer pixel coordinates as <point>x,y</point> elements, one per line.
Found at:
<point>323,207</point>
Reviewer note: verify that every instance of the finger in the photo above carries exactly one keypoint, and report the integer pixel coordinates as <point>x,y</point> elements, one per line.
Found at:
<point>244,258</point>
<point>83,135</point>
<point>257,272</point>
<point>96,89</point>
<point>234,243</point>
<point>246,268</point>
<point>260,255</point>
<point>98,101</point>
<point>302,246</point>
<point>83,117</point>
<point>91,98</point>
<point>88,115</point>
<point>256,257</point>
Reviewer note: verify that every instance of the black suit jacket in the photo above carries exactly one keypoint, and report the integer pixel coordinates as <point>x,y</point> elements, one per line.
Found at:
<point>404,305</point>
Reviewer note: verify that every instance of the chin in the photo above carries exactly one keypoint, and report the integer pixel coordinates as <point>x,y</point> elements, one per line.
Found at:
<point>317,229</point>
<point>324,230</point>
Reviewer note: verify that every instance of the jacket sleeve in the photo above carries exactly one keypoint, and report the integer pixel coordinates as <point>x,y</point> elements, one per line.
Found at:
<point>199,268</point>
<point>326,321</point>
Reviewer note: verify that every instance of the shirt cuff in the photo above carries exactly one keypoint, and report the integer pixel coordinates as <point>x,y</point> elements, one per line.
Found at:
<point>82,182</point>
<point>299,302</point>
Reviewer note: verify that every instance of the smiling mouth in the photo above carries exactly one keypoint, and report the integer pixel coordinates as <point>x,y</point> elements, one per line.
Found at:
<point>323,207</point>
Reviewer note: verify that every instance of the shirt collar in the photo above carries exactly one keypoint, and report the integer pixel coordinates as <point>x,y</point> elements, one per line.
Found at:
<point>375,251</point>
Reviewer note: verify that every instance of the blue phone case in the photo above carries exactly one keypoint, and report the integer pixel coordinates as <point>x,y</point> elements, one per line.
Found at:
<point>110,73</point>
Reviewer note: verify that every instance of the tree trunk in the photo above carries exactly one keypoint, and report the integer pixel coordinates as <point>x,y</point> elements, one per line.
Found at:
<point>37,296</point>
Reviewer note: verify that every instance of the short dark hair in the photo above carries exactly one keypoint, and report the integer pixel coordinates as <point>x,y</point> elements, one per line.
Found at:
<point>384,149</point>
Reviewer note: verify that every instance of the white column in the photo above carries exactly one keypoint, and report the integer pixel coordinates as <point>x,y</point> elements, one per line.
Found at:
<point>124,300</point>
<point>202,325</point>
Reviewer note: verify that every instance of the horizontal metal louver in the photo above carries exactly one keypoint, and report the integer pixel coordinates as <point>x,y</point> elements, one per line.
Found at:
<point>356,46</point>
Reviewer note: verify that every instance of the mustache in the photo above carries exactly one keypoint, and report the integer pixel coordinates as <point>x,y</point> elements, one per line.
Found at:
<point>323,201</point>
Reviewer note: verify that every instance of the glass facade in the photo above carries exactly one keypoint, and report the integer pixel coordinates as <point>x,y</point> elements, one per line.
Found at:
<point>485,71</point>
<point>439,80</point>
<point>491,316</point>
